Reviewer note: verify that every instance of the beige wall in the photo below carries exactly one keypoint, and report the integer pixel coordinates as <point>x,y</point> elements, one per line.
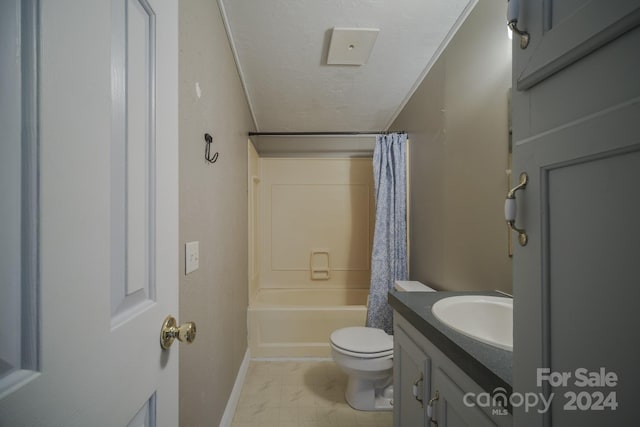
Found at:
<point>213,210</point>
<point>457,124</point>
<point>255,231</point>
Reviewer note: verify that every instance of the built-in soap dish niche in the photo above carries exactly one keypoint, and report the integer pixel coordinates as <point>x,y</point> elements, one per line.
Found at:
<point>319,264</point>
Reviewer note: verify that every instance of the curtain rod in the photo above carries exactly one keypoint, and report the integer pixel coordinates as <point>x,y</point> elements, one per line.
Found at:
<point>321,133</point>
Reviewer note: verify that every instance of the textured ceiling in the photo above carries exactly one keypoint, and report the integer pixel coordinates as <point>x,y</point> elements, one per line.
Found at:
<point>281,49</point>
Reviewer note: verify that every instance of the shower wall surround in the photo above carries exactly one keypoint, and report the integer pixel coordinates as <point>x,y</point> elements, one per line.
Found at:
<point>310,236</point>
<point>316,219</point>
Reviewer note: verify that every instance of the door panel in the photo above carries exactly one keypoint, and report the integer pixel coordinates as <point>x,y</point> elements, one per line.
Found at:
<point>146,416</point>
<point>580,211</point>
<point>10,188</point>
<point>564,31</point>
<point>133,149</point>
<point>593,251</point>
<point>93,371</point>
<point>19,343</point>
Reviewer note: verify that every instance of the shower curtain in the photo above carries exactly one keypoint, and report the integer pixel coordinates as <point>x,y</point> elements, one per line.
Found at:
<point>389,253</point>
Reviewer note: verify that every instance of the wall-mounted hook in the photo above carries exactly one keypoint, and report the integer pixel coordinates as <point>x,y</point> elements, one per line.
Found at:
<point>207,150</point>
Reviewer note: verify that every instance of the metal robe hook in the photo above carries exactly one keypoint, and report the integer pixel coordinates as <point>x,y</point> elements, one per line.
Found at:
<point>207,150</point>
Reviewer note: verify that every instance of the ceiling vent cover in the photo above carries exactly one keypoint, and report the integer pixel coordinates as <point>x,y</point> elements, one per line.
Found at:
<point>351,46</point>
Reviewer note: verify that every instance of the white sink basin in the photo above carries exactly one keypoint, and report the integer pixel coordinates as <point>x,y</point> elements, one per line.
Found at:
<point>484,318</point>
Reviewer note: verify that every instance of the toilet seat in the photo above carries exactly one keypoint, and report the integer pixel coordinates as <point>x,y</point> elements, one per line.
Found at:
<point>362,342</point>
<point>357,355</point>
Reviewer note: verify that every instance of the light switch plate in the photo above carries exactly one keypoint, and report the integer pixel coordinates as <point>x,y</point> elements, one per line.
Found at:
<point>191,257</point>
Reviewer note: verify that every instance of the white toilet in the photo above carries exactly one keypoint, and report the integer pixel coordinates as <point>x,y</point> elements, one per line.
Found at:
<point>366,356</point>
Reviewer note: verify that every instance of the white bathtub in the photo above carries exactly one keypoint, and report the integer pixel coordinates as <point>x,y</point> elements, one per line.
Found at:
<point>298,322</point>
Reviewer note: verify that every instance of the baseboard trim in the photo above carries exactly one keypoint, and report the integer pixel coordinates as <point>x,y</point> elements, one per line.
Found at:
<point>292,359</point>
<point>234,398</point>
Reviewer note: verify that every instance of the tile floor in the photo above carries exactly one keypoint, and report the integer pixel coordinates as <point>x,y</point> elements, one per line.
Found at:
<point>300,394</point>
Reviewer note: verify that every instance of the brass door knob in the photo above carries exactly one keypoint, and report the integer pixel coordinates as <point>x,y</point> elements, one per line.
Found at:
<point>170,331</point>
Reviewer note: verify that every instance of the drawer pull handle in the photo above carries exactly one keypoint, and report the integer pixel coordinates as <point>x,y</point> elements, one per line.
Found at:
<point>430,407</point>
<point>513,10</point>
<point>510,209</point>
<point>416,390</point>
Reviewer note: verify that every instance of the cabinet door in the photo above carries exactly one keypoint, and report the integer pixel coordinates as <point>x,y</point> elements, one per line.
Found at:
<point>576,133</point>
<point>450,409</point>
<point>411,382</point>
<point>564,31</point>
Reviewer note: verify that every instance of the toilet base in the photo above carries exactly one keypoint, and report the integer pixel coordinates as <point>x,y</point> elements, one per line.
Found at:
<point>368,395</point>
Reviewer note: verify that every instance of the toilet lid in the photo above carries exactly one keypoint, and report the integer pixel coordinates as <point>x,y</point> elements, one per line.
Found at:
<point>363,340</point>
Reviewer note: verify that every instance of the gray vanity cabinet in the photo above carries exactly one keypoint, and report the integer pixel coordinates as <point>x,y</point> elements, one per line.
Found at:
<point>450,410</point>
<point>411,381</point>
<point>422,372</point>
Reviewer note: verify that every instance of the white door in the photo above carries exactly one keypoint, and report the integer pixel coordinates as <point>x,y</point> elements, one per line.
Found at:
<point>576,133</point>
<point>93,212</point>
